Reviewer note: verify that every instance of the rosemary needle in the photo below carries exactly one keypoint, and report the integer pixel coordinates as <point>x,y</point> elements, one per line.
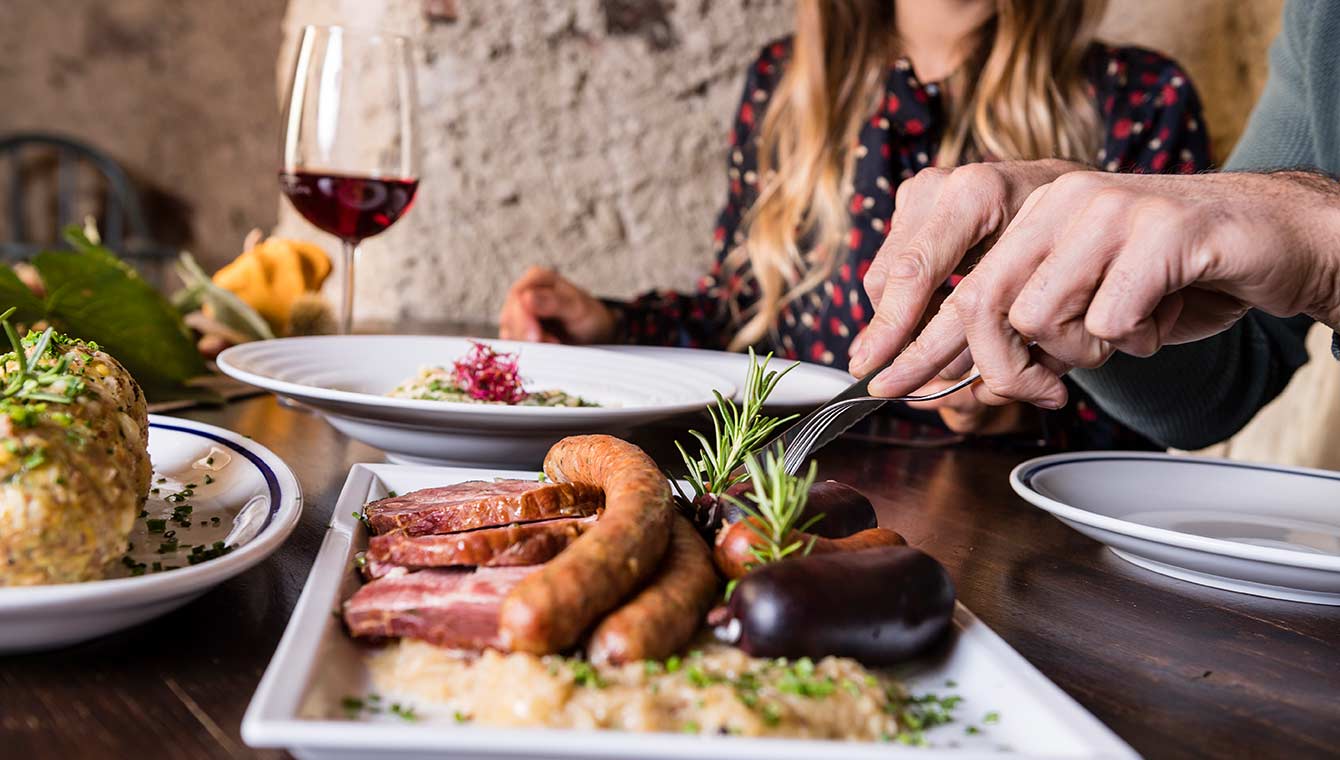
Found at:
<point>737,431</point>
<point>778,502</point>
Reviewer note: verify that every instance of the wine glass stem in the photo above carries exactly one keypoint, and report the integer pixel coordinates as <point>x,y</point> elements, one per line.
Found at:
<point>347,289</point>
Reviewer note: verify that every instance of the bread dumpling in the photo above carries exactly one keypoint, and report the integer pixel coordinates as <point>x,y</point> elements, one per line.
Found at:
<point>74,461</point>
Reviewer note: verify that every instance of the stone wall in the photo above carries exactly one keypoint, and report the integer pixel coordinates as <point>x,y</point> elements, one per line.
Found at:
<point>584,134</point>
<point>180,93</point>
<point>589,135</point>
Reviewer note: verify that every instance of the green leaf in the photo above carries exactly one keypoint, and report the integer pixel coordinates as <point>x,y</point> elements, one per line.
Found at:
<point>14,294</point>
<point>91,294</point>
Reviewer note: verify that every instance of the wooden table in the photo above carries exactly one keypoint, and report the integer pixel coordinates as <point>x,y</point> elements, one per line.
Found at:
<point>1177,670</point>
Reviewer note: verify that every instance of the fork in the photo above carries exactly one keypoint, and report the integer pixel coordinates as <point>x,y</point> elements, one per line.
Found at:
<point>831,420</point>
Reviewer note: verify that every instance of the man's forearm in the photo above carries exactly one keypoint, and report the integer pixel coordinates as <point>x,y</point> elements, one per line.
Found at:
<point>1318,237</point>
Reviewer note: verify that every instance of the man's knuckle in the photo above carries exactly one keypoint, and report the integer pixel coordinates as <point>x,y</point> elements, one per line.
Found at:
<point>901,195</point>
<point>1031,321</point>
<point>912,264</point>
<point>1004,385</point>
<point>982,180</point>
<point>1106,326</point>
<point>968,299</point>
<point>1079,182</point>
<point>1109,202</point>
<point>932,175</point>
<point>874,277</point>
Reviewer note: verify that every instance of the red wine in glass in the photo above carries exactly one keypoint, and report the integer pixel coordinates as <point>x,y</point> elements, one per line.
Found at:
<point>349,158</point>
<point>348,207</point>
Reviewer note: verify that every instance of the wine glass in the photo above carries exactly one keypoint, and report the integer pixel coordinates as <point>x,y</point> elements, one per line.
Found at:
<point>350,158</point>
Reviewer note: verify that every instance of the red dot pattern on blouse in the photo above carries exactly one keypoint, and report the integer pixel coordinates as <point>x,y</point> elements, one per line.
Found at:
<point>1153,123</point>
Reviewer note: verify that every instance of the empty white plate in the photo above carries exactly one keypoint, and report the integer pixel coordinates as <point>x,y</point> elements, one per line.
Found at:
<point>346,377</point>
<point>239,494</point>
<point>803,388</point>
<point>1256,529</point>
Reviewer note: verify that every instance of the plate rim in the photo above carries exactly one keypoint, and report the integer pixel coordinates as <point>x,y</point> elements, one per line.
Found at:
<point>1021,481</point>
<point>807,366</point>
<point>459,408</point>
<point>144,588</point>
<point>270,719</point>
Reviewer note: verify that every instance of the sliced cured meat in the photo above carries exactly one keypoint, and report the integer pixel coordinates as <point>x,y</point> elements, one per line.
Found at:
<point>457,609</point>
<point>509,546</point>
<point>481,504</point>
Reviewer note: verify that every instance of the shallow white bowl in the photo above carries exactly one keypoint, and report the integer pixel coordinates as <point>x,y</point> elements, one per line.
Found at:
<point>254,494</point>
<point>803,388</point>
<point>346,377</point>
<point>1256,529</point>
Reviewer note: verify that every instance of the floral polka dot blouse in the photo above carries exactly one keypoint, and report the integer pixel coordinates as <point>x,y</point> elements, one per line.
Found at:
<point>1153,123</point>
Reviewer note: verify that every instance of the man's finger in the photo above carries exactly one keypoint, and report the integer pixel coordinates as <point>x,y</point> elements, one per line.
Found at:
<point>984,298</point>
<point>1146,271</point>
<point>1006,363</point>
<point>959,367</point>
<point>913,201</point>
<point>1204,312</point>
<point>961,218</point>
<point>939,343</point>
<point>1050,308</point>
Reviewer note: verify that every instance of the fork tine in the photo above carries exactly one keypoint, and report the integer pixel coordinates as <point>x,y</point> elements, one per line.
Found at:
<point>813,429</point>
<point>803,445</point>
<point>798,446</point>
<point>799,450</point>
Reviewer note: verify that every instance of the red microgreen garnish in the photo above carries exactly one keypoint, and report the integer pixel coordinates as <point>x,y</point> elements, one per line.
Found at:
<point>486,375</point>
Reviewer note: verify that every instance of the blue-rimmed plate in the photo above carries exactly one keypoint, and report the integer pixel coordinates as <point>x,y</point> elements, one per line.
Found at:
<point>219,504</point>
<point>1255,529</point>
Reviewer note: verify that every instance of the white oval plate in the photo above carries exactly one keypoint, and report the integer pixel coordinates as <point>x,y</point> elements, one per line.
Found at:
<point>805,387</point>
<point>346,377</point>
<point>298,704</point>
<point>1255,529</point>
<point>255,496</point>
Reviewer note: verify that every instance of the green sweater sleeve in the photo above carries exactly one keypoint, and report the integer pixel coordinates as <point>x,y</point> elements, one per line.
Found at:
<point>1194,395</point>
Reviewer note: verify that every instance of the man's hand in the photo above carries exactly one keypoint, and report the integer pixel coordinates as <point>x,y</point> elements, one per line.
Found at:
<point>543,306</point>
<point>939,216</point>
<point>1096,263</point>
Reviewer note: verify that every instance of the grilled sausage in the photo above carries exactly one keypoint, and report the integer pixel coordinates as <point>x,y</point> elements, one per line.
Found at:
<point>880,606</point>
<point>551,608</point>
<point>734,543</point>
<point>665,615</point>
<point>842,510</point>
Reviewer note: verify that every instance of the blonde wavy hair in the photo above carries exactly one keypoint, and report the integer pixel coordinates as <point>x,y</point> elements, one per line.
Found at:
<point>1019,94</point>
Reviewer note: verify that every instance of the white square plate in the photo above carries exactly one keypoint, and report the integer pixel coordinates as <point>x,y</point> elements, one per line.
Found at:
<point>297,705</point>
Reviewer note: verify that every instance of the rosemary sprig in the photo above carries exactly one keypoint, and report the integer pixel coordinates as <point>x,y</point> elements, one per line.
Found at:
<point>779,501</point>
<point>29,382</point>
<point>737,431</point>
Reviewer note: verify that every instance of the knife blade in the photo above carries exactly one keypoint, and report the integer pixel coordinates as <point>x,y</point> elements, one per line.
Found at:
<point>848,408</point>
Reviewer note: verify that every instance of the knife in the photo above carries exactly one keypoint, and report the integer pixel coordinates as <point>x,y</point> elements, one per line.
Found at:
<point>837,415</point>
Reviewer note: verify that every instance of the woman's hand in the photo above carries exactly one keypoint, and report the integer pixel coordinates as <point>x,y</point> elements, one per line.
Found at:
<point>1096,263</point>
<point>543,306</point>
